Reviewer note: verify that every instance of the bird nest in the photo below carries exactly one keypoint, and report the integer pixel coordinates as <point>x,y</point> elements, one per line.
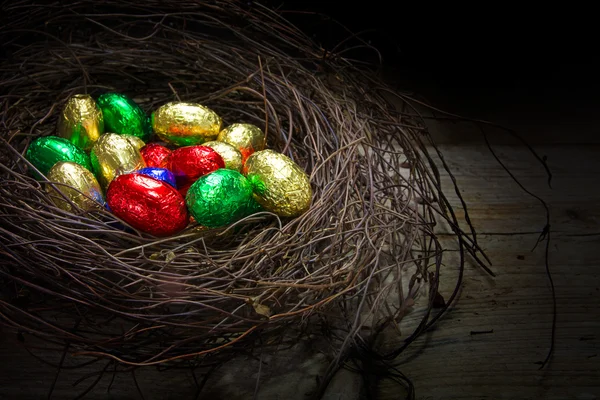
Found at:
<point>80,278</point>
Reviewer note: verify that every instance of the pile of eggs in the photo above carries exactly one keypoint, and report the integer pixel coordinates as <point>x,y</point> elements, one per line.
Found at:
<point>103,155</point>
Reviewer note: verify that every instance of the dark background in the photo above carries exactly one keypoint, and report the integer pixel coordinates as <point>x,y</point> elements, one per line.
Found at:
<point>541,55</point>
<point>494,43</point>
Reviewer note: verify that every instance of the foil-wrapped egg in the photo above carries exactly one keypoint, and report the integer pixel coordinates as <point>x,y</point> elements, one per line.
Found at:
<point>280,185</point>
<point>147,204</point>
<point>77,184</point>
<point>81,121</point>
<point>135,141</point>
<point>123,116</point>
<point>185,124</point>
<point>230,155</point>
<point>220,198</point>
<point>161,174</point>
<point>154,154</point>
<point>46,151</point>
<point>114,155</point>
<point>190,163</point>
<point>247,138</point>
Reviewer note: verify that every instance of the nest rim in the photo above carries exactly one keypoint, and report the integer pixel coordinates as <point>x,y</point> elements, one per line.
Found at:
<point>366,226</point>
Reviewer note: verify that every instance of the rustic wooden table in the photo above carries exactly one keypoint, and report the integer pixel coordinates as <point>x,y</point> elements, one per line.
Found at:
<point>515,308</point>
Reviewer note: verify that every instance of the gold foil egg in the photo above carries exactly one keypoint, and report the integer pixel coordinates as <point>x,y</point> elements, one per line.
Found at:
<point>134,140</point>
<point>114,155</point>
<point>279,184</point>
<point>185,124</point>
<point>77,184</point>
<point>230,155</point>
<point>81,121</point>
<point>247,138</point>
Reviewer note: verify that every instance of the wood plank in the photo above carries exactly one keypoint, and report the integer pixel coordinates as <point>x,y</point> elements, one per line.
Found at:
<point>497,204</point>
<point>516,305</point>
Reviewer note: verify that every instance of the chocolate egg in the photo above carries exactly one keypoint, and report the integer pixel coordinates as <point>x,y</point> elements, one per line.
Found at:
<point>123,116</point>
<point>154,154</point>
<point>113,155</point>
<point>220,198</point>
<point>161,174</point>
<point>46,151</point>
<point>247,138</point>
<point>185,124</point>
<point>81,121</point>
<point>147,204</point>
<point>279,184</point>
<point>77,184</point>
<point>190,163</point>
<point>230,155</point>
<point>135,141</point>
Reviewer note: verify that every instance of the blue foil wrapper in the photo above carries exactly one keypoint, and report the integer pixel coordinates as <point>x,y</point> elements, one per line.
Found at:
<point>161,174</point>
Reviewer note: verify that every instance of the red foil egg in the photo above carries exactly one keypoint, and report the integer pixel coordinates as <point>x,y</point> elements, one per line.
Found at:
<point>190,163</point>
<point>154,154</point>
<point>147,204</point>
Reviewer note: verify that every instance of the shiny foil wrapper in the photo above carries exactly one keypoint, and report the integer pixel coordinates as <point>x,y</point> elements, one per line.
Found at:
<point>190,163</point>
<point>279,184</point>
<point>198,228</point>
<point>81,121</point>
<point>185,124</point>
<point>113,155</point>
<point>46,151</point>
<point>135,141</point>
<point>117,224</point>
<point>247,138</point>
<point>220,198</point>
<point>254,206</point>
<point>230,155</point>
<point>147,204</point>
<point>77,184</point>
<point>123,116</point>
<point>154,154</point>
<point>161,174</point>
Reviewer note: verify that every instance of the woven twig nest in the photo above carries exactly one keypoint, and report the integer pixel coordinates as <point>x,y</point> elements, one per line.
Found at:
<point>80,278</point>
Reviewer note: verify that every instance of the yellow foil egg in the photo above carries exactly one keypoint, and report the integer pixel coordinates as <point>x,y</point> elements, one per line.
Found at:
<point>135,141</point>
<point>230,155</point>
<point>81,121</point>
<point>186,124</point>
<point>77,184</point>
<point>114,155</point>
<point>279,184</point>
<point>247,138</point>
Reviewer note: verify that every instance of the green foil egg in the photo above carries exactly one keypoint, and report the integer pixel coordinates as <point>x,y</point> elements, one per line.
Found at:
<point>123,116</point>
<point>46,151</point>
<point>220,198</point>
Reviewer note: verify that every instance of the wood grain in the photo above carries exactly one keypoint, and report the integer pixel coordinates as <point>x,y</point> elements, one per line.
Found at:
<point>516,305</point>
